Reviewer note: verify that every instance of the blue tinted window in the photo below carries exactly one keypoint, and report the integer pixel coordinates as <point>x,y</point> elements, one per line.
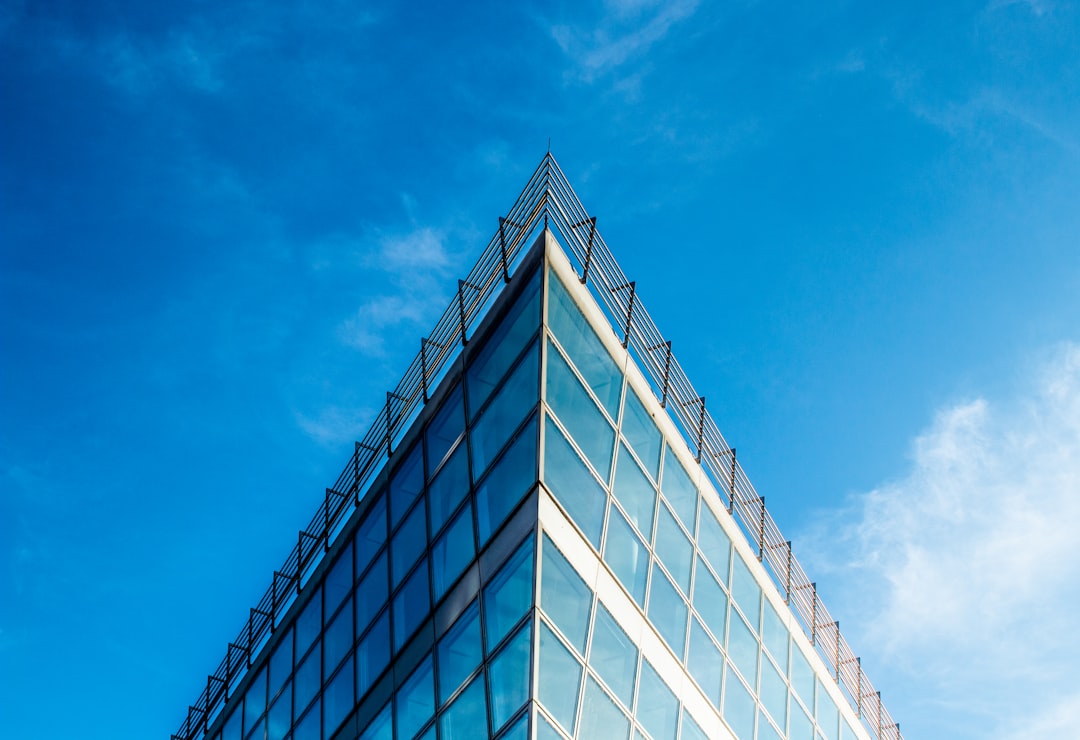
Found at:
<point>411,604</point>
<point>658,709</point>
<point>828,716</point>
<point>371,534</point>
<point>308,728</point>
<point>279,718</point>
<point>514,400</point>
<point>739,709</point>
<point>380,728</point>
<point>746,592</point>
<point>281,663</point>
<point>775,636</point>
<point>640,430</point>
<point>626,555</point>
<point>802,677</point>
<point>256,731</point>
<point>584,347</point>
<point>613,655</point>
<point>742,648</point>
<point>710,602</point>
<point>449,488</point>
<point>674,549</point>
<point>635,493</point>
<point>601,716</point>
<point>308,624</point>
<point>255,700</point>
<point>372,593</point>
<point>466,718</point>
<point>714,543</point>
<point>560,677</point>
<point>415,701</point>
<point>339,581</point>
<point>338,639</point>
<point>460,652</point>
<point>578,413</point>
<point>445,428</point>
<point>338,698</point>
<point>509,479</point>
<point>679,489</point>
<point>409,542</point>
<point>802,727</point>
<point>774,693</point>
<point>406,483</point>
<point>690,729</point>
<point>509,595</point>
<point>705,663</point>
<point>575,488</point>
<point>564,596</point>
<point>509,677</point>
<point>308,679</point>
<point>373,654</point>
<point>489,366</point>
<point>667,611</point>
<point>453,551</point>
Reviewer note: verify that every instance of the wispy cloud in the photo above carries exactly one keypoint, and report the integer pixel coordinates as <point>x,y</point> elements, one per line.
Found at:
<point>335,424</point>
<point>977,557</point>
<point>629,29</point>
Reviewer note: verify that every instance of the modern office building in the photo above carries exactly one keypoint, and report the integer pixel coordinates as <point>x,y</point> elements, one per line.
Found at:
<point>543,535</point>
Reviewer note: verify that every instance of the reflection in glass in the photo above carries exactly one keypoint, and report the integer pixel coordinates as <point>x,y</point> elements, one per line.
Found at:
<point>690,729</point>
<point>509,594</point>
<point>309,623</point>
<point>338,697</point>
<point>509,677</point>
<point>746,592</point>
<point>255,699</point>
<point>679,489</point>
<point>308,680</point>
<point>281,663</point>
<point>626,555</point>
<point>371,534</point>
<point>445,428</point>
<point>828,716</point>
<point>739,709</point>
<point>409,542</point>
<point>775,636</point>
<point>801,727</point>
<point>452,552</point>
<point>584,347</point>
<point>411,604</point>
<point>578,413</point>
<point>338,639</point>
<point>704,662</point>
<point>372,593</point>
<point>460,652</point>
<point>415,700</point>
<point>613,655</point>
<point>657,707</point>
<point>564,596</point>
<point>406,483</point>
<point>714,543</point>
<point>339,580</point>
<point>773,693</point>
<point>674,549</point>
<point>575,488</point>
<point>802,676</point>
<point>499,420</point>
<point>634,492</point>
<point>560,678</point>
<point>380,728</point>
<point>279,718</point>
<point>601,716</point>
<point>710,601</point>
<point>639,428</point>
<point>308,727</point>
<point>667,611</point>
<point>742,648</point>
<point>466,718</point>
<point>510,478</point>
<point>451,485</point>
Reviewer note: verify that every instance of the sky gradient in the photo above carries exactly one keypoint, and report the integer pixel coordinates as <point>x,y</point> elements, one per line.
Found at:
<point>224,228</point>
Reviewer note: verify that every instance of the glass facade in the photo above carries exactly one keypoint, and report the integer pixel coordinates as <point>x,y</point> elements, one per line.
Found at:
<point>541,558</point>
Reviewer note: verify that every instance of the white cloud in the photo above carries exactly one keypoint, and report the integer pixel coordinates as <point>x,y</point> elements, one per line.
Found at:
<point>631,28</point>
<point>977,560</point>
<point>335,425</point>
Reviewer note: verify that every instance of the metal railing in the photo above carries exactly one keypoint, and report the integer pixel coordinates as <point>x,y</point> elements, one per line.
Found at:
<point>546,200</point>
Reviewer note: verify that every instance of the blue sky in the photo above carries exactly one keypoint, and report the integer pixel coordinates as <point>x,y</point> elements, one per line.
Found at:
<point>225,226</point>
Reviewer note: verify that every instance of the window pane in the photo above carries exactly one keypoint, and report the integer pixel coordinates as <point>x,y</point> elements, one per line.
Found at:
<point>714,544</point>
<point>514,400</point>
<point>544,729</point>
<point>406,483</point>
<point>371,534</point>
<point>746,591</point>
<point>509,595</point>
<point>578,413</point>
<point>256,731</point>
<point>674,548</point>
<point>415,701</point>
<point>309,624</point>
<point>279,718</point>
<point>339,581</point>
<point>453,551</point>
<point>509,676</point>
<point>380,728</point>
<point>710,601</point>
<point>640,430</point>
<point>775,636</point>
<point>411,605</point>
<point>372,593</point>
<point>576,489</point>
<point>520,323</point>
<point>690,729</point>
<point>828,716</point>
<point>679,489</point>
<point>255,700</point>
<point>802,677</point>
<point>466,718</point>
<point>667,611</point>
<point>613,655</point>
<point>408,544</point>
<point>449,488</point>
<point>560,679</point>
<point>774,693</point>
<point>564,596</point>
<point>338,698</point>
<point>583,346</point>
<point>338,639</point>
<point>705,663</point>
<point>309,727</point>
<point>281,663</point>
<point>765,730</point>
<point>445,428</point>
<point>742,648</point>
<point>657,709</point>
<point>511,477</point>
<point>308,679</point>
<point>802,727</point>
<point>520,730</point>
<point>739,709</point>
<point>626,555</point>
<point>373,654</point>
<point>601,716</point>
<point>635,493</point>
<point>460,652</point>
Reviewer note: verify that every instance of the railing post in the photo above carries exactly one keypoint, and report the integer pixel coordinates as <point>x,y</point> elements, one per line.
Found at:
<point>761,530</point>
